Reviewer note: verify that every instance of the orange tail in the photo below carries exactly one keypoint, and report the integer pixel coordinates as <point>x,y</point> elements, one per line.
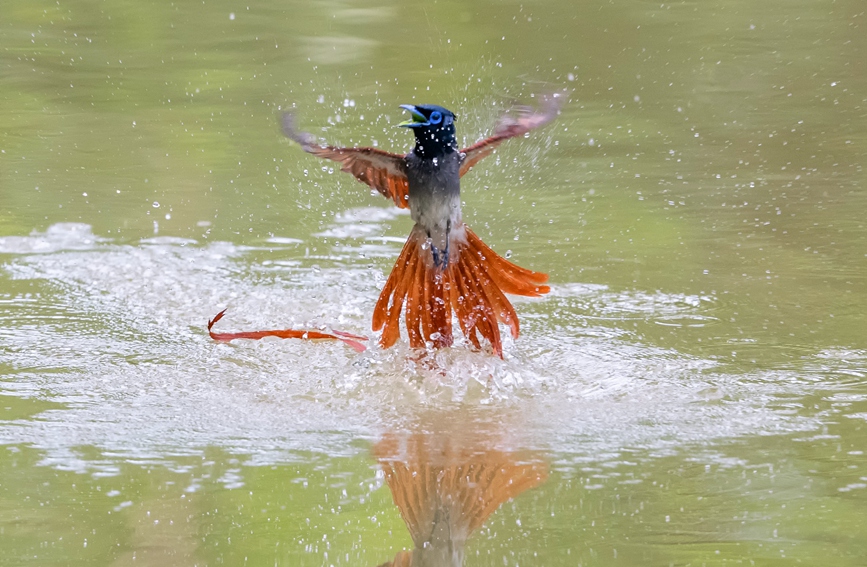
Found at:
<point>473,286</point>
<point>348,338</point>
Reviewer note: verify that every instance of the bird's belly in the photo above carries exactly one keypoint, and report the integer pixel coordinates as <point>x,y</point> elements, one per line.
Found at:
<point>435,209</point>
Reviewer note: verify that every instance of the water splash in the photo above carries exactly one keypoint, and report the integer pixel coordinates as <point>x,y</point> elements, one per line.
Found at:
<point>119,340</point>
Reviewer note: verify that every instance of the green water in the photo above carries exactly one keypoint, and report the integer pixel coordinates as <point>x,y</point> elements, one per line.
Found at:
<point>693,386</point>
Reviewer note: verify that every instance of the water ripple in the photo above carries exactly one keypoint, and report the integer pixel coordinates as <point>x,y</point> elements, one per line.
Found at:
<point>120,342</point>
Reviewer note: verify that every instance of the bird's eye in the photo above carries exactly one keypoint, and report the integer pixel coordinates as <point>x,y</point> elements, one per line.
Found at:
<point>436,117</point>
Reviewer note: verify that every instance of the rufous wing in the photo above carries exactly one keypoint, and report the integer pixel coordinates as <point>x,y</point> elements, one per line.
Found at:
<point>517,122</point>
<point>381,170</point>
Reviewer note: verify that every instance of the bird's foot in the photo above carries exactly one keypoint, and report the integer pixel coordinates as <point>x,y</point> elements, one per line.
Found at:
<point>440,257</point>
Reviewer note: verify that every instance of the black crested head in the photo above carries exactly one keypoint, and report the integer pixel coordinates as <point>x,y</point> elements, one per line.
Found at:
<point>434,129</point>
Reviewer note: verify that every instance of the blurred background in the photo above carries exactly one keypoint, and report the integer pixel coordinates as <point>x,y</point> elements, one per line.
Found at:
<point>694,383</point>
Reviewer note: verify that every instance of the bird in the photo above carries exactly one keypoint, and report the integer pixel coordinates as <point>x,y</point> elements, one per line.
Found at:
<point>444,268</point>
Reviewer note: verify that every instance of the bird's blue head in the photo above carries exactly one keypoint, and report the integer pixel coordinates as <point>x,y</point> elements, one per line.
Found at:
<point>434,129</point>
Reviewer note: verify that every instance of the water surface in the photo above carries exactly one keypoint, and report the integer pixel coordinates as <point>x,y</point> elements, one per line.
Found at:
<point>691,392</point>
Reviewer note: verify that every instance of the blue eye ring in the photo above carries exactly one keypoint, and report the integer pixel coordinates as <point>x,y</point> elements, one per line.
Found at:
<point>435,117</point>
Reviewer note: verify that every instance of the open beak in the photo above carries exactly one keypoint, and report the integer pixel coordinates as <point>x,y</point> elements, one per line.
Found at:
<point>418,119</point>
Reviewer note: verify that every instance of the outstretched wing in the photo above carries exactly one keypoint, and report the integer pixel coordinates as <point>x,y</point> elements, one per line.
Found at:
<point>517,122</point>
<point>383,171</point>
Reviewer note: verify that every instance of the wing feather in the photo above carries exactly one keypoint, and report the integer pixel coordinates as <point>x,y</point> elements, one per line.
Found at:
<point>517,122</point>
<point>381,170</point>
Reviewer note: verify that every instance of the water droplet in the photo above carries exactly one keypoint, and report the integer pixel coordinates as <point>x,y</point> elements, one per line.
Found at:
<point>156,205</point>
<point>508,254</point>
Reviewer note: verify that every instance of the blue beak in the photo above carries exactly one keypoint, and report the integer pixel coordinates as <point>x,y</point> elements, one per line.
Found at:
<point>418,119</point>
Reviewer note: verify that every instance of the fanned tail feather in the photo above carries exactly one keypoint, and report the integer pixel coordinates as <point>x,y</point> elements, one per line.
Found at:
<point>473,286</point>
<point>510,277</point>
<point>414,281</point>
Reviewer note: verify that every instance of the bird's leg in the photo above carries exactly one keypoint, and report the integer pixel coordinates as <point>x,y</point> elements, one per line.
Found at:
<point>440,253</point>
<point>446,249</point>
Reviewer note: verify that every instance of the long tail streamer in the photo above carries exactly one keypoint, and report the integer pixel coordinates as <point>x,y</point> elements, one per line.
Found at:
<point>347,338</point>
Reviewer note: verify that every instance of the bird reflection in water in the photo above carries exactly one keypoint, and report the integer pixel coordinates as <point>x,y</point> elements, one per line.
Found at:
<point>445,487</point>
